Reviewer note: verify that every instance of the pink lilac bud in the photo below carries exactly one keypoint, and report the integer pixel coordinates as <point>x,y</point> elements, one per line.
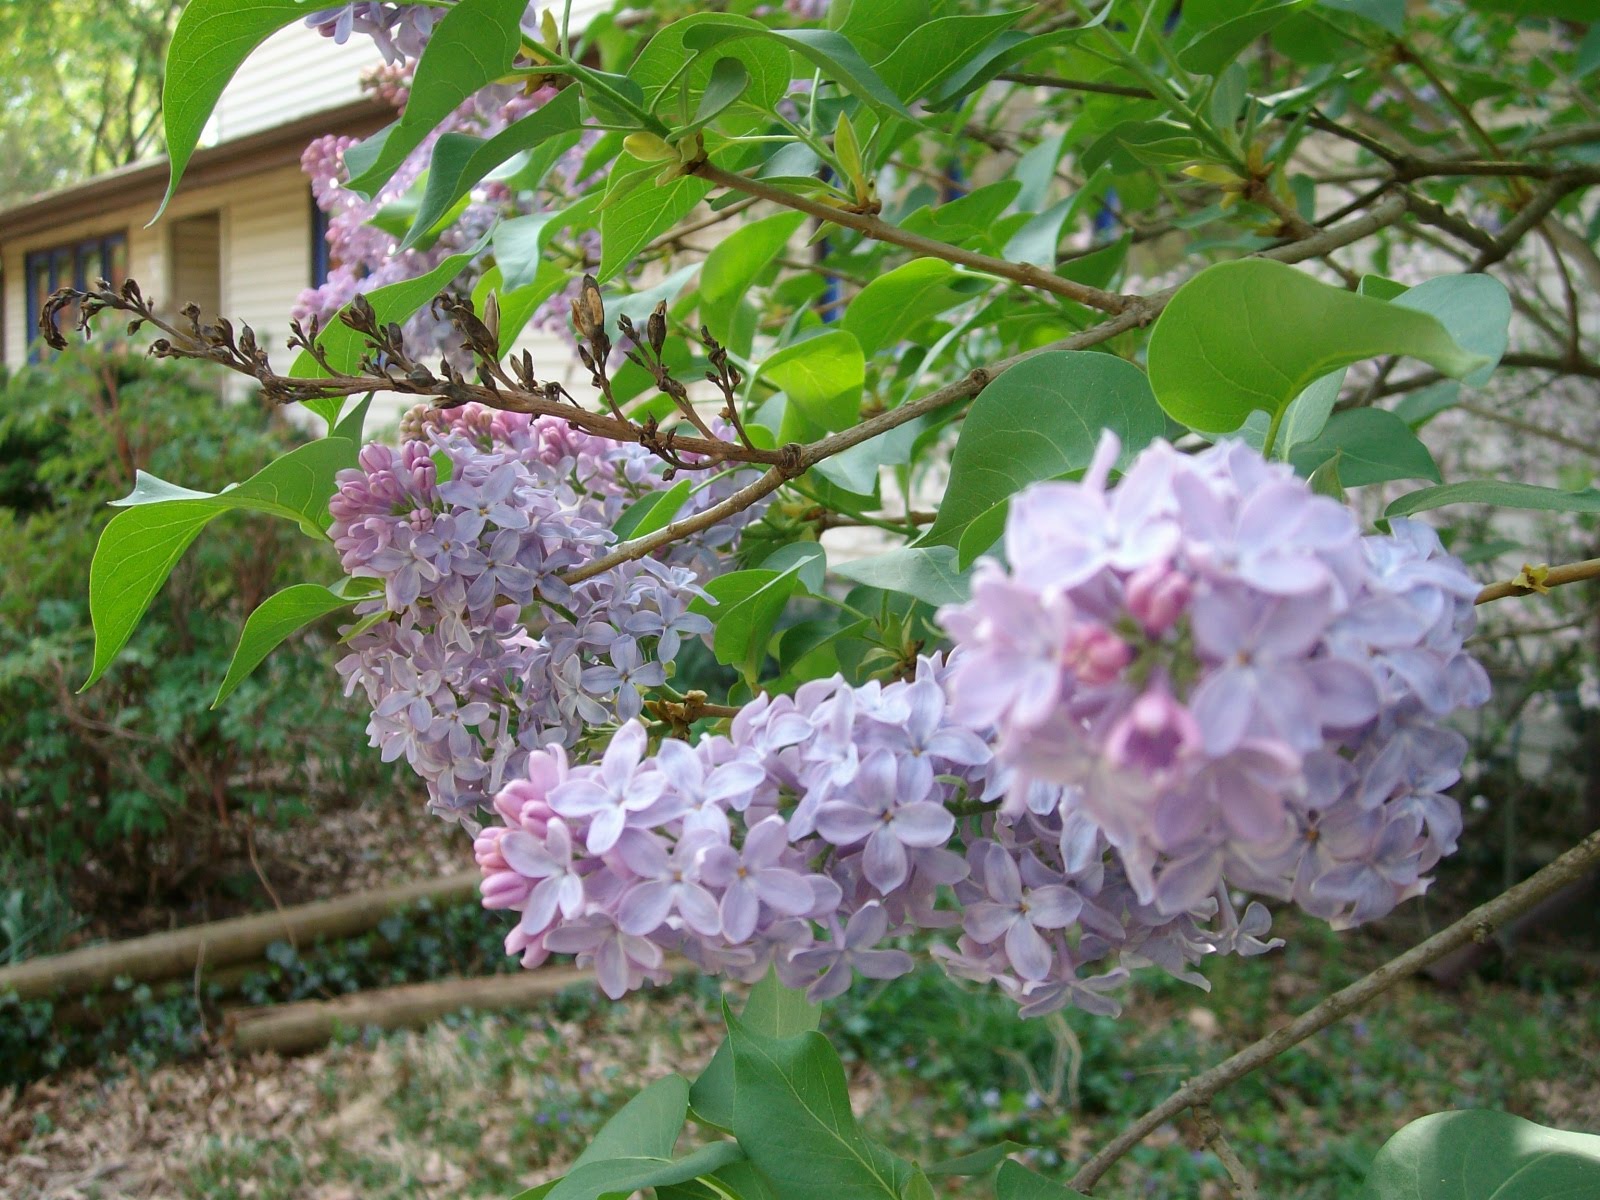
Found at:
<point>1095,655</point>
<point>1157,596</point>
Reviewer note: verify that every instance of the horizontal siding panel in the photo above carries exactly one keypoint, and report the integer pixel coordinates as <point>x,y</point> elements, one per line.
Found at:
<point>294,73</point>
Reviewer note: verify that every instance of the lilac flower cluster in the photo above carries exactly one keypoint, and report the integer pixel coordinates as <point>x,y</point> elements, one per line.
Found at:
<point>1201,681</point>
<point>1231,683</point>
<point>476,651</point>
<point>362,255</point>
<point>399,30</point>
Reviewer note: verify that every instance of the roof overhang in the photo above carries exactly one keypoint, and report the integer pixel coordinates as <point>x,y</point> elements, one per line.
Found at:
<point>146,182</point>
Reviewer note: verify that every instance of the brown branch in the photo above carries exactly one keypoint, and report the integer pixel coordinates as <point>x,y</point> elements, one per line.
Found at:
<point>736,503</point>
<point>1477,926</point>
<point>1144,310</point>
<point>1244,1187</point>
<point>1576,572</point>
<point>873,227</point>
<point>1534,211</point>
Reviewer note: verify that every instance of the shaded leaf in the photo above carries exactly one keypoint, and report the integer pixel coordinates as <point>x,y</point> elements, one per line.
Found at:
<point>1040,420</point>
<point>1480,1155</point>
<point>1253,334</point>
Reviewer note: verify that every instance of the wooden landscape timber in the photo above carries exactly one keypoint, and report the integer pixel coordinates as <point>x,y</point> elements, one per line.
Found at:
<point>238,940</point>
<point>308,1024</point>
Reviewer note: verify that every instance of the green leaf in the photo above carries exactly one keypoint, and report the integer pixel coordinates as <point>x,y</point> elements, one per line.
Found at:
<point>1388,15</point>
<point>1480,1155</point>
<point>1016,1182</point>
<point>1040,420</point>
<point>876,27</point>
<point>1253,334</point>
<point>729,80</point>
<point>792,1117</point>
<point>809,559</point>
<point>1588,54</point>
<point>659,68</point>
<point>1133,145</point>
<point>892,305</point>
<point>474,44</point>
<point>1036,241</point>
<point>1215,49</point>
<point>735,263</point>
<point>519,243</point>
<point>517,305</point>
<point>928,573</point>
<point>773,1011</point>
<point>979,1162</point>
<point>624,1176</point>
<point>1475,311</point>
<point>983,534</point>
<point>1417,408</point>
<point>1498,492</point>
<point>209,43</point>
<point>822,376</point>
<point>748,604</point>
<point>935,49</point>
<point>629,224</point>
<point>1308,412</point>
<point>826,49</point>
<point>1561,10</point>
<point>353,423</point>
<point>392,302</point>
<point>1003,51</point>
<point>274,619</point>
<point>645,1127</point>
<point>1369,445</point>
<point>140,546</point>
<point>652,511</point>
<point>460,161</point>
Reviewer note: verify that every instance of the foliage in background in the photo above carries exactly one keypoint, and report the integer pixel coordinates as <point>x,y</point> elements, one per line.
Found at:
<point>80,88</point>
<point>137,790</point>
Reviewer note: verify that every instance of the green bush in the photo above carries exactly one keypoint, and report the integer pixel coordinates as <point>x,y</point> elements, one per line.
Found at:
<point>136,791</point>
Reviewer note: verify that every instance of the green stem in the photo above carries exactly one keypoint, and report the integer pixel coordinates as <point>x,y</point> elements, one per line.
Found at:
<point>1272,432</point>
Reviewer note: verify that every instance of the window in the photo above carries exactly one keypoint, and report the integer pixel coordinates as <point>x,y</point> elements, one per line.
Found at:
<point>77,265</point>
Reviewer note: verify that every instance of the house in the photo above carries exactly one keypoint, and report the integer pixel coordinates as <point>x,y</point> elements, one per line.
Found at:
<point>242,236</point>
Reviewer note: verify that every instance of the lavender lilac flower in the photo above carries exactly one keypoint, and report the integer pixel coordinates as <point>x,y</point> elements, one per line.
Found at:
<point>361,255</point>
<point>475,652</point>
<point>1195,685</point>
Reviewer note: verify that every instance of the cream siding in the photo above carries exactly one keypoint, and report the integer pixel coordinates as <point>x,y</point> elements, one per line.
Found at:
<point>294,73</point>
<point>262,258</point>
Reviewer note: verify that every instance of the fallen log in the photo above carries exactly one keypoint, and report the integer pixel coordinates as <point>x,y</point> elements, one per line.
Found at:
<point>172,955</point>
<point>309,1024</point>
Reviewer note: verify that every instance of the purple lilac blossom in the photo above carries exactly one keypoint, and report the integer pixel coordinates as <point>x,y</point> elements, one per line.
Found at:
<point>363,256</point>
<point>476,652</point>
<point>1165,705</point>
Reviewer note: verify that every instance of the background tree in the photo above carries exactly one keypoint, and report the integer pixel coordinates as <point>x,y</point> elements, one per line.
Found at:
<point>80,88</point>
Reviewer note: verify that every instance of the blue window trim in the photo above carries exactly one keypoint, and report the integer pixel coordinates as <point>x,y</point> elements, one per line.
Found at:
<point>319,244</point>
<point>63,266</point>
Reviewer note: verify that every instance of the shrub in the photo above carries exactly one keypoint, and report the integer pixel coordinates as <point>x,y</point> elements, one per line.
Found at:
<point>138,789</point>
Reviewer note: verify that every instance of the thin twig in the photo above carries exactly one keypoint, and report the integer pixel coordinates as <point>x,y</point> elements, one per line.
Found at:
<point>879,230</point>
<point>1567,573</point>
<point>1477,926</point>
<point>1531,213</point>
<point>736,503</point>
<point>1244,1187</point>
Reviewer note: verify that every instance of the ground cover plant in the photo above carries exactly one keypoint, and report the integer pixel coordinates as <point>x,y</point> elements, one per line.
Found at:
<point>1077,306</point>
